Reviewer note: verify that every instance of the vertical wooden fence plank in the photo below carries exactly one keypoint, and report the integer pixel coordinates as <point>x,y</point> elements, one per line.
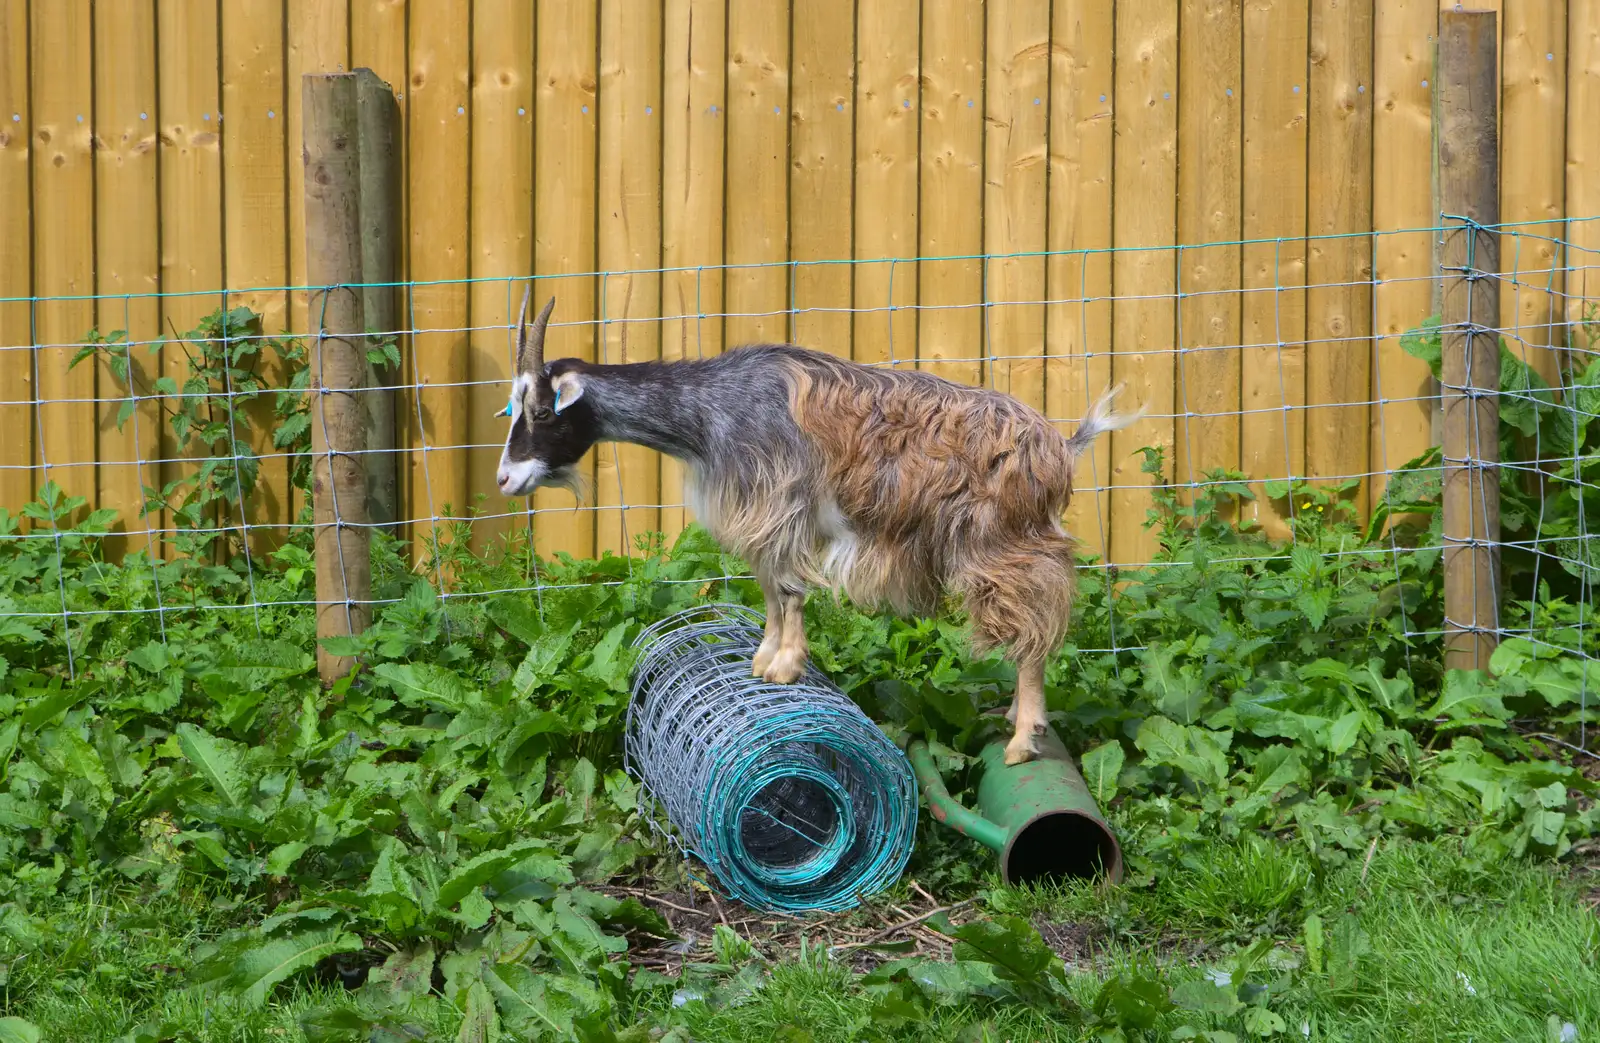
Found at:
<point>757,223</point>
<point>1533,145</point>
<point>1015,203</point>
<point>1145,224</point>
<point>1078,319</point>
<point>630,243</point>
<point>501,211</point>
<point>821,195</point>
<point>1339,269</point>
<point>16,262</point>
<point>127,258</point>
<point>255,196</point>
<point>887,76</point>
<point>318,36</point>
<point>442,485</point>
<point>565,128</point>
<point>63,241</point>
<point>695,54</point>
<point>1583,178</point>
<point>950,292</point>
<point>378,42</point>
<point>1402,199</point>
<point>1273,172</point>
<point>1209,121</point>
<point>191,202</point>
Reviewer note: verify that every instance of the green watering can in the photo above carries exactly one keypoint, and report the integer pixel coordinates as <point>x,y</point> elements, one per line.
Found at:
<point>1039,817</point>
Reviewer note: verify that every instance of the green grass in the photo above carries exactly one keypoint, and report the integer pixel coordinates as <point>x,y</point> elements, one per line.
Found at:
<point>1432,921</point>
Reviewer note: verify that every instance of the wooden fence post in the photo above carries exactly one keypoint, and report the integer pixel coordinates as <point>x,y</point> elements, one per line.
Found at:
<point>339,366</point>
<point>379,128</point>
<point>1469,197</point>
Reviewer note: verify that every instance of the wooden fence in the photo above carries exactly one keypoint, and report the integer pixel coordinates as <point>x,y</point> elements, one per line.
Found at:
<point>150,155</point>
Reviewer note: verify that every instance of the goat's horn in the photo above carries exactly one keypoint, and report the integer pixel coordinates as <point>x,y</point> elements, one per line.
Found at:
<point>522,327</point>
<point>533,351</point>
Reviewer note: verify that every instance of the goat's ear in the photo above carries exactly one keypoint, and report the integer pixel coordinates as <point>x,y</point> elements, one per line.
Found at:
<point>568,389</point>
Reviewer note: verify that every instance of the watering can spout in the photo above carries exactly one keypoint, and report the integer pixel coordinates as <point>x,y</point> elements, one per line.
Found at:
<point>1039,817</point>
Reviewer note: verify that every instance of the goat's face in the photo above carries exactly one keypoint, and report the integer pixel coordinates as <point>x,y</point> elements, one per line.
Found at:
<point>549,431</point>
<point>551,428</point>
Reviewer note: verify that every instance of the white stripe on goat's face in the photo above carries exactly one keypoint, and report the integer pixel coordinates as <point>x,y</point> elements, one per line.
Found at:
<point>519,475</point>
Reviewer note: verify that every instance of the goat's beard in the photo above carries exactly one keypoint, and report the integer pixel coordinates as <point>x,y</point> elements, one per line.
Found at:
<point>580,484</point>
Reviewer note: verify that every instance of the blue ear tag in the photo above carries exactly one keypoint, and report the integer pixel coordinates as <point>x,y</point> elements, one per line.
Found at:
<point>558,400</point>
<point>507,410</point>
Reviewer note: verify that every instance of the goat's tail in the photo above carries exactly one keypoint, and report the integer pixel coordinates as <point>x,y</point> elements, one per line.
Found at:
<point>1099,420</point>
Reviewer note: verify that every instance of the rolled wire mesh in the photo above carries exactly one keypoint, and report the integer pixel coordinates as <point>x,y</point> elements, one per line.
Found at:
<point>790,795</point>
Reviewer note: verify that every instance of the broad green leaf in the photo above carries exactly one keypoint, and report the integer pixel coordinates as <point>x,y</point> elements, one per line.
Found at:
<point>426,684</point>
<point>612,662</point>
<point>16,1030</point>
<point>546,655</point>
<point>1395,694</point>
<point>1566,680</point>
<point>407,974</point>
<point>257,968</point>
<point>1138,1002</point>
<point>1344,733</point>
<point>256,664</point>
<point>218,761</point>
<point>481,1024</point>
<point>1510,655</point>
<point>1314,943</point>
<point>1277,766</point>
<point>1206,995</point>
<point>1011,946</point>
<point>1326,669</point>
<point>1210,762</point>
<point>1163,741</point>
<point>1465,695</point>
<point>1259,1021</point>
<point>67,755</point>
<point>1101,767</point>
<point>52,706</point>
<point>478,871</point>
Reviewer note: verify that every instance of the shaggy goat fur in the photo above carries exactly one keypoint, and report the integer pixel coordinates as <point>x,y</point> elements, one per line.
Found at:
<point>897,488</point>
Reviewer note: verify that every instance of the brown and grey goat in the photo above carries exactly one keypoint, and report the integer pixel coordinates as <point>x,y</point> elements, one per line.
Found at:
<point>896,487</point>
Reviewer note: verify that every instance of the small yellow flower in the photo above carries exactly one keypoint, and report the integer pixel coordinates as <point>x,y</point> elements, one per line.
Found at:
<point>1306,506</point>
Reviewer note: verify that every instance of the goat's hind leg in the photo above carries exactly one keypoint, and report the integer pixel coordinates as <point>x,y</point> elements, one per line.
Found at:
<point>1027,714</point>
<point>1021,598</point>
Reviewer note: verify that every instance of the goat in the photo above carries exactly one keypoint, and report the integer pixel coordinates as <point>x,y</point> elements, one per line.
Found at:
<point>898,488</point>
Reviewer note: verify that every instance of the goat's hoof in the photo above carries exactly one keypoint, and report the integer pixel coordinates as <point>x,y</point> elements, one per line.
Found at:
<point>763,659</point>
<point>785,668</point>
<point>1020,750</point>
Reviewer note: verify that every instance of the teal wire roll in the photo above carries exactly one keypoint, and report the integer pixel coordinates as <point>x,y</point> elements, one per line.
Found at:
<point>792,798</point>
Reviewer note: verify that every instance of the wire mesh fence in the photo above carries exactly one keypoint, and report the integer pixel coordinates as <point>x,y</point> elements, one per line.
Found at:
<point>1292,425</point>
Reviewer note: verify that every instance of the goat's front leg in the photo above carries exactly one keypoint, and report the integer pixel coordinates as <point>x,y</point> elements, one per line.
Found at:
<point>789,662</point>
<point>1027,713</point>
<point>773,639</point>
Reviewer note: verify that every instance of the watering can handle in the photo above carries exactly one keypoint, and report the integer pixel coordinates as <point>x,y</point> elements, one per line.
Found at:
<point>945,808</point>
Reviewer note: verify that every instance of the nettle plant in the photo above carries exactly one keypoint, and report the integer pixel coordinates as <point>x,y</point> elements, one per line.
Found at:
<point>209,411</point>
<point>213,411</point>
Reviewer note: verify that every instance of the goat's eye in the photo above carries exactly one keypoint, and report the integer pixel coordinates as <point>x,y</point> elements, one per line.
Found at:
<point>542,413</point>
